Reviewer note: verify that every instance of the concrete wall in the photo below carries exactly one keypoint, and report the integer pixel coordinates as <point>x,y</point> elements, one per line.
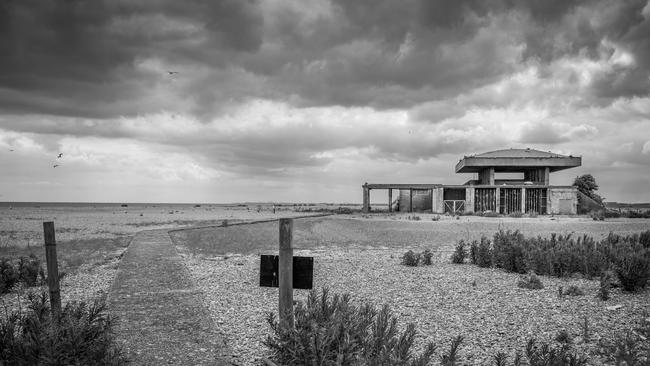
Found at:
<point>437,202</point>
<point>562,201</point>
<point>422,200</point>
<point>404,200</point>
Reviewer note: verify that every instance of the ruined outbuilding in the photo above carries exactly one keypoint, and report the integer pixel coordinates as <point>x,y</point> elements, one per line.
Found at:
<point>529,191</point>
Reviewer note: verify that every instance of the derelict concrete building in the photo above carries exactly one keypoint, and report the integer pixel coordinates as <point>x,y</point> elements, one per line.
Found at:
<point>530,191</point>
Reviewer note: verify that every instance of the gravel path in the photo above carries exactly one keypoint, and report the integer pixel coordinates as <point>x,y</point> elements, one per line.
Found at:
<point>161,314</point>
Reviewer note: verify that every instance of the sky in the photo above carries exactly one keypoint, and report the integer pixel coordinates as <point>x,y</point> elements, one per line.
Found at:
<point>303,101</point>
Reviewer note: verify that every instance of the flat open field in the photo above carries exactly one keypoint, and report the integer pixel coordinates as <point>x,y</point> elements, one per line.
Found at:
<point>91,237</point>
<point>361,255</point>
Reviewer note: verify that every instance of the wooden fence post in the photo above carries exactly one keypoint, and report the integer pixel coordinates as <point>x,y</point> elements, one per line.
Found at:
<point>285,274</point>
<point>52,267</point>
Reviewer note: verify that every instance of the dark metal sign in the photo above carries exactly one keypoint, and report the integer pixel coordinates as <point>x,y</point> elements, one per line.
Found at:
<point>303,271</point>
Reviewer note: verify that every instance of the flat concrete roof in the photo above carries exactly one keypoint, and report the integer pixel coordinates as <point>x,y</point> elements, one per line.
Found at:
<point>432,185</point>
<point>401,186</point>
<point>516,160</point>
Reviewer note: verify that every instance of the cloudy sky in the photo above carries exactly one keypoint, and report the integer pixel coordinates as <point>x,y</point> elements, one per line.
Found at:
<point>305,100</point>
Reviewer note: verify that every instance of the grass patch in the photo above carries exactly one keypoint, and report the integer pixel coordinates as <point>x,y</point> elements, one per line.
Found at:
<point>72,254</point>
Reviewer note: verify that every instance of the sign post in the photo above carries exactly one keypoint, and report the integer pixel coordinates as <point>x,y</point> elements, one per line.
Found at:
<point>285,275</point>
<point>52,267</point>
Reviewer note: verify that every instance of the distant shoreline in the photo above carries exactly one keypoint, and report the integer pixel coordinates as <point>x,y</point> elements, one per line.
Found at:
<point>139,204</point>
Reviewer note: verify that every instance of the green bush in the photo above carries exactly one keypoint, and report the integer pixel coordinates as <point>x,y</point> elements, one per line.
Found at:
<point>414,259</point>
<point>605,285</point>
<point>481,252</point>
<point>411,258</point>
<point>31,271</point>
<point>633,271</point>
<point>531,282</point>
<point>548,355</point>
<point>335,331</point>
<point>563,337</point>
<point>460,253</point>
<point>573,290</point>
<point>427,255</point>
<point>9,276</point>
<point>80,335</point>
<point>543,354</point>
<point>631,348</point>
<point>509,251</point>
<point>563,255</point>
<point>450,358</point>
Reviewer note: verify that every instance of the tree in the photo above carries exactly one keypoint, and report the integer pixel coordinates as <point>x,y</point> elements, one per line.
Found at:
<point>587,185</point>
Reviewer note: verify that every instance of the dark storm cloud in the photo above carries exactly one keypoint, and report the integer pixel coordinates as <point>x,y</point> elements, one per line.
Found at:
<point>71,57</point>
<point>94,58</point>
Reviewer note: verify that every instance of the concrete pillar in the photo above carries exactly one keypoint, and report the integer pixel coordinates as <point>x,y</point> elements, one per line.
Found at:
<point>546,176</point>
<point>366,199</point>
<point>410,200</point>
<point>523,200</point>
<point>469,199</point>
<point>436,201</point>
<point>497,197</point>
<point>390,200</point>
<point>486,176</point>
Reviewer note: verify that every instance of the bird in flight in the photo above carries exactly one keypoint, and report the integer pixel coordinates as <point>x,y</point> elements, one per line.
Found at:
<point>55,165</point>
<point>172,72</point>
<point>60,156</point>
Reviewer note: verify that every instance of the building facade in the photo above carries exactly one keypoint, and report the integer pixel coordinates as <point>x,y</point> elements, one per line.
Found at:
<point>525,188</point>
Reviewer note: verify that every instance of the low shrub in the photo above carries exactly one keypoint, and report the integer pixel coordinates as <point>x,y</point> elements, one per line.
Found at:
<point>509,252</point>
<point>543,354</point>
<point>606,283</point>
<point>9,275</point>
<point>30,270</point>
<point>411,258</point>
<point>344,211</point>
<point>573,290</point>
<point>414,259</point>
<point>460,253</point>
<point>531,282</point>
<point>516,214</point>
<point>563,337</point>
<point>26,270</point>
<point>501,359</point>
<point>426,256</point>
<point>331,330</point>
<point>546,354</point>
<point>633,271</point>
<point>80,335</point>
<point>598,215</point>
<point>563,255</point>
<point>483,255</point>
<point>631,348</point>
<point>450,358</point>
